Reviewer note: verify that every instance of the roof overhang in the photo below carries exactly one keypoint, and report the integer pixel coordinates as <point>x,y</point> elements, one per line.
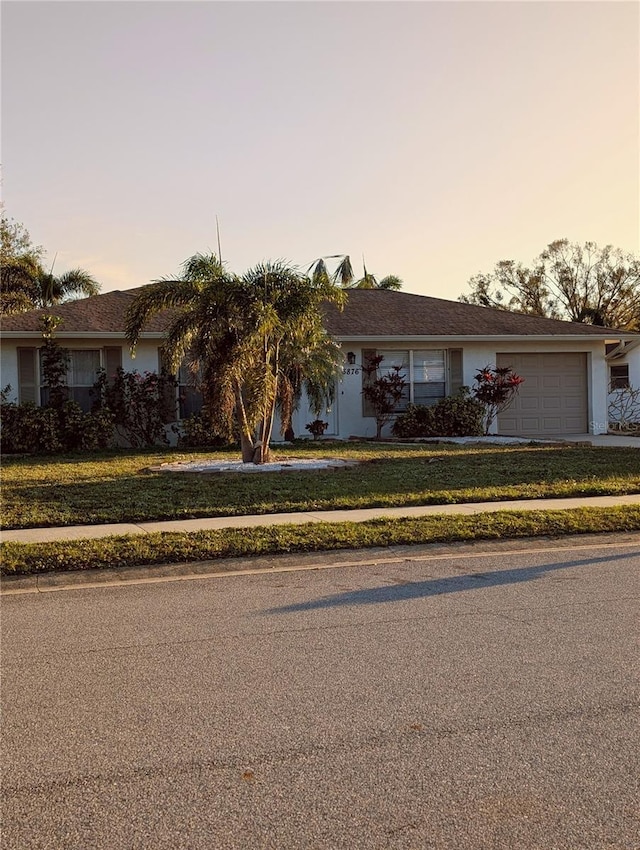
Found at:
<point>459,338</point>
<point>630,341</point>
<point>88,335</point>
<point>624,347</point>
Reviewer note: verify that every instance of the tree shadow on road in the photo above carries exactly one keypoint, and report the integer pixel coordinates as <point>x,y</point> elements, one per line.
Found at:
<point>436,587</point>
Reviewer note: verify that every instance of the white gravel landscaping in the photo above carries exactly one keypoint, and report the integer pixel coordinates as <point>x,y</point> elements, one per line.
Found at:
<point>300,464</point>
<point>288,465</point>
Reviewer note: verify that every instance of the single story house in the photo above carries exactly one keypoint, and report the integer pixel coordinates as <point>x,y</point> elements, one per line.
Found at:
<point>568,367</point>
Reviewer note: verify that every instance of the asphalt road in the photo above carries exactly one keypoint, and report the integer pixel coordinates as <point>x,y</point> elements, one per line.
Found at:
<point>467,700</point>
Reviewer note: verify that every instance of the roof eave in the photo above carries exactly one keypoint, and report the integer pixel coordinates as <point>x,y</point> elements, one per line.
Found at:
<point>81,335</point>
<point>486,337</point>
<point>624,347</point>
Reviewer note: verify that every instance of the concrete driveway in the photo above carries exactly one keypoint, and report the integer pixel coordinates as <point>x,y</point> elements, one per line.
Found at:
<point>605,440</point>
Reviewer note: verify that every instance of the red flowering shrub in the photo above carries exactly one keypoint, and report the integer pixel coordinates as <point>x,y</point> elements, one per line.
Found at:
<point>495,387</point>
<point>383,391</point>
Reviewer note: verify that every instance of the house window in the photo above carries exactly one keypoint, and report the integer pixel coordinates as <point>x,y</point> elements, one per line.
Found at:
<point>424,371</point>
<point>82,373</point>
<point>399,359</point>
<point>189,395</point>
<point>619,377</point>
<point>429,376</point>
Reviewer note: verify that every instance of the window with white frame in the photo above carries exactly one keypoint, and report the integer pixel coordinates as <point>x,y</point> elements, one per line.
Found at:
<point>391,361</point>
<point>429,377</point>
<point>424,370</point>
<point>82,373</point>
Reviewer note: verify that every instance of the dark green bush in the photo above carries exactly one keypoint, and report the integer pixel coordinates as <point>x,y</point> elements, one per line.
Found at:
<point>140,405</point>
<point>454,416</point>
<point>196,433</point>
<point>80,431</point>
<point>48,430</point>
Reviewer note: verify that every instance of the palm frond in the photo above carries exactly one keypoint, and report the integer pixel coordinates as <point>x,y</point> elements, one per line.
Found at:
<point>78,281</point>
<point>319,273</point>
<point>343,275</point>
<point>391,281</point>
<point>367,282</point>
<point>203,267</point>
<point>158,296</point>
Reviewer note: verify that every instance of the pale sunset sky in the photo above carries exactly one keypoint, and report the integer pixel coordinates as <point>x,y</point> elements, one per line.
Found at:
<point>435,138</point>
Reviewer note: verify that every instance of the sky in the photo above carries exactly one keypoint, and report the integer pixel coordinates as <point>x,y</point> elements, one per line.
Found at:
<point>432,138</point>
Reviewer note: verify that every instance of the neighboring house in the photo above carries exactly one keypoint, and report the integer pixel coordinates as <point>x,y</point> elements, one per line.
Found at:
<point>623,360</point>
<point>440,345</point>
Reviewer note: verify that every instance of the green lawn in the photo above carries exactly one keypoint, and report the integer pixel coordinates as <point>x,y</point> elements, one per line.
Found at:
<point>116,486</point>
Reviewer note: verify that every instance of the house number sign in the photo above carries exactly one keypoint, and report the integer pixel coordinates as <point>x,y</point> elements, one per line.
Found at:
<point>350,370</point>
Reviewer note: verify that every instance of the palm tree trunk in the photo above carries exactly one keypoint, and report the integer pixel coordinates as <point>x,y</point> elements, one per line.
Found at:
<point>267,427</point>
<point>246,438</point>
<point>270,363</point>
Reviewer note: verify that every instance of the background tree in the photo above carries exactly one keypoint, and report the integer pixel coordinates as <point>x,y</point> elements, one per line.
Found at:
<point>242,337</point>
<point>19,261</point>
<point>582,283</point>
<point>25,284</point>
<point>15,240</point>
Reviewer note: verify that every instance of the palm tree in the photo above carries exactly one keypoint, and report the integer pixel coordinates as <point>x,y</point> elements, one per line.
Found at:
<point>370,281</point>
<point>207,333</point>
<point>26,285</point>
<point>53,289</point>
<point>343,275</point>
<point>240,335</point>
<point>311,361</point>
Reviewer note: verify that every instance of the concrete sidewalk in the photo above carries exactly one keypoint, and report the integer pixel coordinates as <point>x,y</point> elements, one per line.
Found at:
<point>88,532</point>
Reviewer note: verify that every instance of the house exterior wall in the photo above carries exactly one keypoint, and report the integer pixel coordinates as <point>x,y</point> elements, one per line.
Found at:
<point>633,359</point>
<point>346,415</point>
<point>631,410</point>
<point>146,356</point>
<point>9,371</point>
<point>476,355</point>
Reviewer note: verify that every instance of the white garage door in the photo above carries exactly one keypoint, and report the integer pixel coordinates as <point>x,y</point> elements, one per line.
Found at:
<point>553,398</point>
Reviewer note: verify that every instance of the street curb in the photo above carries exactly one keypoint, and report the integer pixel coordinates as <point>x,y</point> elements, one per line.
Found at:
<point>298,562</point>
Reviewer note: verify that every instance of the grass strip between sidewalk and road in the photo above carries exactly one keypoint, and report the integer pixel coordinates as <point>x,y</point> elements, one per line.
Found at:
<point>171,547</point>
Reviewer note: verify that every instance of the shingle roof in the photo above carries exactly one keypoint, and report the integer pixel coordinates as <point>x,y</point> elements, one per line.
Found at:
<point>97,314</point>
<point>379,312</point>
<point>368,313</point>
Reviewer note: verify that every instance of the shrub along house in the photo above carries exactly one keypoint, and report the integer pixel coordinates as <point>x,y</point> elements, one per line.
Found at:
<point>440,345</point>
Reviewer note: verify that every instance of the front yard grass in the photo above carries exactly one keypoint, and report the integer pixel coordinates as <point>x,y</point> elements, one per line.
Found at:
<point>114,486</point>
